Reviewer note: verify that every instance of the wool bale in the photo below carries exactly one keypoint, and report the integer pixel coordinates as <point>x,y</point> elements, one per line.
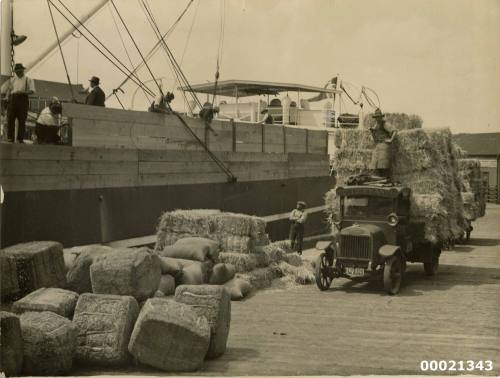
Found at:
<point>241,262</point>
<point>170,265</point>
<point>170,336</point>
<point>49,343</point>
<point>167,284</point>
<point>39,264</point>
<point>238,288</point>
<point>222,273</point>
<point>9,285</point>
<point>60,301</point>
<point>11,351</point>
<point>69,260</point>
<point>78,275</point>
<point>105,323</point>
<point>134,272</point>
<point>214,303</point>
<point>196,273</point>
<point>204,243</point>
<point>186,251</point>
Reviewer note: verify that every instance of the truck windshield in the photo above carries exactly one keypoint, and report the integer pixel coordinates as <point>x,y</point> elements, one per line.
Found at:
<point>368,206</point>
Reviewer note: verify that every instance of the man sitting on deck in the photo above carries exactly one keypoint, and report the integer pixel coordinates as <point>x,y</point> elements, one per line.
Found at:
<point>48,123</point>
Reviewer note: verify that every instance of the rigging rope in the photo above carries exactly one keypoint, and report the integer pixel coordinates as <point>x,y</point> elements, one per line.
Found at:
<point>137,47</point>
<point>122,69</point>
<point>60,50</point>
<point>126,51</point>
<point>176,66</point>
<point>157,45</point>
<point>370,101</point>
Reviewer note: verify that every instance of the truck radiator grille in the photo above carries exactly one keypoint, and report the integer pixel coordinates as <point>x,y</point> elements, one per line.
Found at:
<point>355,247</point>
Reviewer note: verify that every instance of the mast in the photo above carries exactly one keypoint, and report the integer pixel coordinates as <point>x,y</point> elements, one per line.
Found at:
<point>5,37</point>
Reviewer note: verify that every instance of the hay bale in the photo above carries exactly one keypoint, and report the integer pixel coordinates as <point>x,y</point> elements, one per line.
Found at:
<point>353,137</point>
<point>134,272</point>
<point>9,285</point>
<point>293,259</point>
<point>104,323</point>
<point>78,276</point>
<point>212,245</point>
<point>181,337</point>
<point>241,262</point>
<point>167,284</point>
<point>352,160</point>
<point>261,277</point>
<point>11,351</point>
<point>222,273</point>
<point>60,301</point>
<point>39,264</point>
<point>301,274</point>
<point>274,252</point>
<point>238,288</point>
<point>238,244</point>
<point>196,273</point>
<point>214,303</point>
<point>49,343</point>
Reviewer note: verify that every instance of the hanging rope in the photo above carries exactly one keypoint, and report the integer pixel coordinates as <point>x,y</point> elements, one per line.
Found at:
<point>60,50</point>
<point>220,48</point>
<point>369,100</point>
<point>117,61</point>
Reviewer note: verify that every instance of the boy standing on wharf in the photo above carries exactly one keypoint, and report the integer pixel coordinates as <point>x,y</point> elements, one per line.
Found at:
<point>297,218</point>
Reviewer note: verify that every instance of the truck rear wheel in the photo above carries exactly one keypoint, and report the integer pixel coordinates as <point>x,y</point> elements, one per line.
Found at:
<point>393,274</point>
<point>431,267</point>
<point>322,272</point>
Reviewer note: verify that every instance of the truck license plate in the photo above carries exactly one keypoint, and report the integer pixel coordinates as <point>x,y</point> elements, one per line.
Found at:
<point>355,272</point>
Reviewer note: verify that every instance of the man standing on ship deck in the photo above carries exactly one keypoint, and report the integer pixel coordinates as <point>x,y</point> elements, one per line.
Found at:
<point>297,218</point>
<point>383,134</point>
<point>96,96</point>
<point>18,88</point>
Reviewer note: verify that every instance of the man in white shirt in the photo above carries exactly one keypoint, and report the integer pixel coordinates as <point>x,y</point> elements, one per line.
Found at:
<point>297,218</point>
<point>18,88</point>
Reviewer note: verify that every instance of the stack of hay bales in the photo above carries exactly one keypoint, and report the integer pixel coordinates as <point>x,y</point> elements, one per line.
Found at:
<point>233,232</point>
<point>422,159</point>
<point>243,243</point>
<point>474,197</point>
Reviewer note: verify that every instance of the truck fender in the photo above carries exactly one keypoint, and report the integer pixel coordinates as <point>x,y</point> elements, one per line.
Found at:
<point>388,250</point>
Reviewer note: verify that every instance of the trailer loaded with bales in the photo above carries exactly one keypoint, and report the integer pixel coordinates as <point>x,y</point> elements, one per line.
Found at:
<point>379,226</point>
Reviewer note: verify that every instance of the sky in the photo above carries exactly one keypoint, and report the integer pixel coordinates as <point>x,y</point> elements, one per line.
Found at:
<point>439,59</point>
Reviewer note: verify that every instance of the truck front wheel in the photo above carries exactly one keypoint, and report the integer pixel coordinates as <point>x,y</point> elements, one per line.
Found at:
<point>323,272</point>
<point>393,274</point>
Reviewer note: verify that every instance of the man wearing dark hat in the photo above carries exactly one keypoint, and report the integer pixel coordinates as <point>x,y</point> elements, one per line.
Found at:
<point>96,96</point>
<point>383,134</point>
<point>297,218</point>
<point>18,89</point>
<point>268,118</point>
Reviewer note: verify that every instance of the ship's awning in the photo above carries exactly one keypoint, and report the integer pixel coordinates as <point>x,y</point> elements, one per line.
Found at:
<point>243,88</point>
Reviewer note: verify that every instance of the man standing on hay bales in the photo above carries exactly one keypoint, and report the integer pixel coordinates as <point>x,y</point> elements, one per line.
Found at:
<point>383,134</point>
<point>297,218</point>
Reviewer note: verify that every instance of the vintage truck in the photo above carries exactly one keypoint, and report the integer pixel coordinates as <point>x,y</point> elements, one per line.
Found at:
<point>374,235</point>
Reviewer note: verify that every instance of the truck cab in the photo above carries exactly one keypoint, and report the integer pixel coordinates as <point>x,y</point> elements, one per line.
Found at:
<point>373,235</point>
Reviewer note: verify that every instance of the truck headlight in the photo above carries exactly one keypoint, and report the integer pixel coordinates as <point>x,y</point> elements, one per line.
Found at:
<point>392,219</point>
